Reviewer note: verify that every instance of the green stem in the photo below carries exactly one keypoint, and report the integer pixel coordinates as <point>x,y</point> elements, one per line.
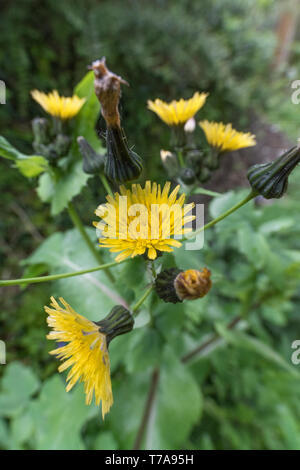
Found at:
<point>54,277</point>
<point>180,158</point>
<point>106,184</point>
<point>234,208</point>
<point>141,300</point>
<point>78,224</point>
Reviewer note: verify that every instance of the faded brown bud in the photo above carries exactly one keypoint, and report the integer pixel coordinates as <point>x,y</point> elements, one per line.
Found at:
<point>108,91</point>
<point>192,284</point>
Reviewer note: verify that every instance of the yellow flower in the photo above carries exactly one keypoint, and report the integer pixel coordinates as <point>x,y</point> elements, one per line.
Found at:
<point>85,352</point>
<point>58,106</point>
<point>178,112</point>
<point>138,220</point>
<point>225,138</point>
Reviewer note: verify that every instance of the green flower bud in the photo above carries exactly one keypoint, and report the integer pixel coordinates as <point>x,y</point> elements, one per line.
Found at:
<point>187,176</point>
<point>62,145</point>
<point>118,322</point>
<point>121,164</point>
<point>271,179</point>
<point>40,129</point>
<point>93,162</point>
<point>170,163</point>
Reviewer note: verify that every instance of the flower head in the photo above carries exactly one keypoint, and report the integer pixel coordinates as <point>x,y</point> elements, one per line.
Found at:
<point>58,106</point>
<point>192,284</point>
<point>178,112</point>
<point>85,352</point>
<point>143,220</point>
<point>224,138</point>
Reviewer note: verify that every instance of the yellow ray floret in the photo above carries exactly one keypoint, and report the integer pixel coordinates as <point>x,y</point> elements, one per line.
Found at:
<point>143,220</point>
<point>178,112</point>
<point>85,352</point>
<point>58,106</point>
<point>225,138</point>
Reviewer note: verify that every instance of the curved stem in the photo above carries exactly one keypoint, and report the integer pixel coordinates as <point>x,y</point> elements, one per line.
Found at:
<point>225,214</point>
<point>54,277</point>
<point>78,224</point>
<point>136,307</point>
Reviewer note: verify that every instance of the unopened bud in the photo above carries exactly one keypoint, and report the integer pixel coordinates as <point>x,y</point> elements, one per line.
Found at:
<point>271,179</point>
<point>187,176</point>
<point>93,162</point>
<point>118,322</point>
<point>170,162</point>
<point>190,125</point>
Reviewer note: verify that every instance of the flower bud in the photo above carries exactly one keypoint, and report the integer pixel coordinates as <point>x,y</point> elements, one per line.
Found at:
<point>174,285</point>
<point>170,162</point>
<point>118,322</point>
<point>187,176</point>
<point>271,179</point>
<point>40,129</point>
<point>62,145</point>
<point>122,164</point>
<point>93,162</point>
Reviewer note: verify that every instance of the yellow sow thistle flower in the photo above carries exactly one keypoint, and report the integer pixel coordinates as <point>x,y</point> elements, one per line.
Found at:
<point>58,106</point>
<point>85,352</point>
<point>224,138</point>
<point>178,112</point>
<point>139,220</point>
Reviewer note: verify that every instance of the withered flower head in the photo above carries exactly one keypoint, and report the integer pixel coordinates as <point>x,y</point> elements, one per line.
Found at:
<point>108,91</point>
<point>174,285</point>
<point>192,284</point>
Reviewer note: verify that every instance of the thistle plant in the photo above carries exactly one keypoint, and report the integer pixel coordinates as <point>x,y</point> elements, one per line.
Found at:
<point>144,221</point>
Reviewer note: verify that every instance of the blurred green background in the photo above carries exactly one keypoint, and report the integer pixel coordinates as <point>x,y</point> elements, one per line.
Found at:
<point>244,394</point>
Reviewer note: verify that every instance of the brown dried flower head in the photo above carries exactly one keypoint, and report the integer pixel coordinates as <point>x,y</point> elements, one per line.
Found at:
<point>192,284</point>
<point>108,92</point>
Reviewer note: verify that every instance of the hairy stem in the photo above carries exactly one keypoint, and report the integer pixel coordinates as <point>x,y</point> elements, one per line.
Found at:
<point>54,277</point>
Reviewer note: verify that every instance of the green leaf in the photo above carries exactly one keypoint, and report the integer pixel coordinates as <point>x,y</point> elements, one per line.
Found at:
<point>86,120</point>
<point>58,416</point>
<point>177,407</point>
<point>29,165</point>
<point>92,295</point>
<point>144,350</point>
<point>18,384</point>
<point>255,345</point>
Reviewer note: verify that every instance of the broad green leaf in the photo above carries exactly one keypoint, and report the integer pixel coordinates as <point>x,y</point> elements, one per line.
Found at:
<point>58,416</point>
<point>92,295</point>
<point>144,350</point>
<point>18,384</point>
<point>105,441</point>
